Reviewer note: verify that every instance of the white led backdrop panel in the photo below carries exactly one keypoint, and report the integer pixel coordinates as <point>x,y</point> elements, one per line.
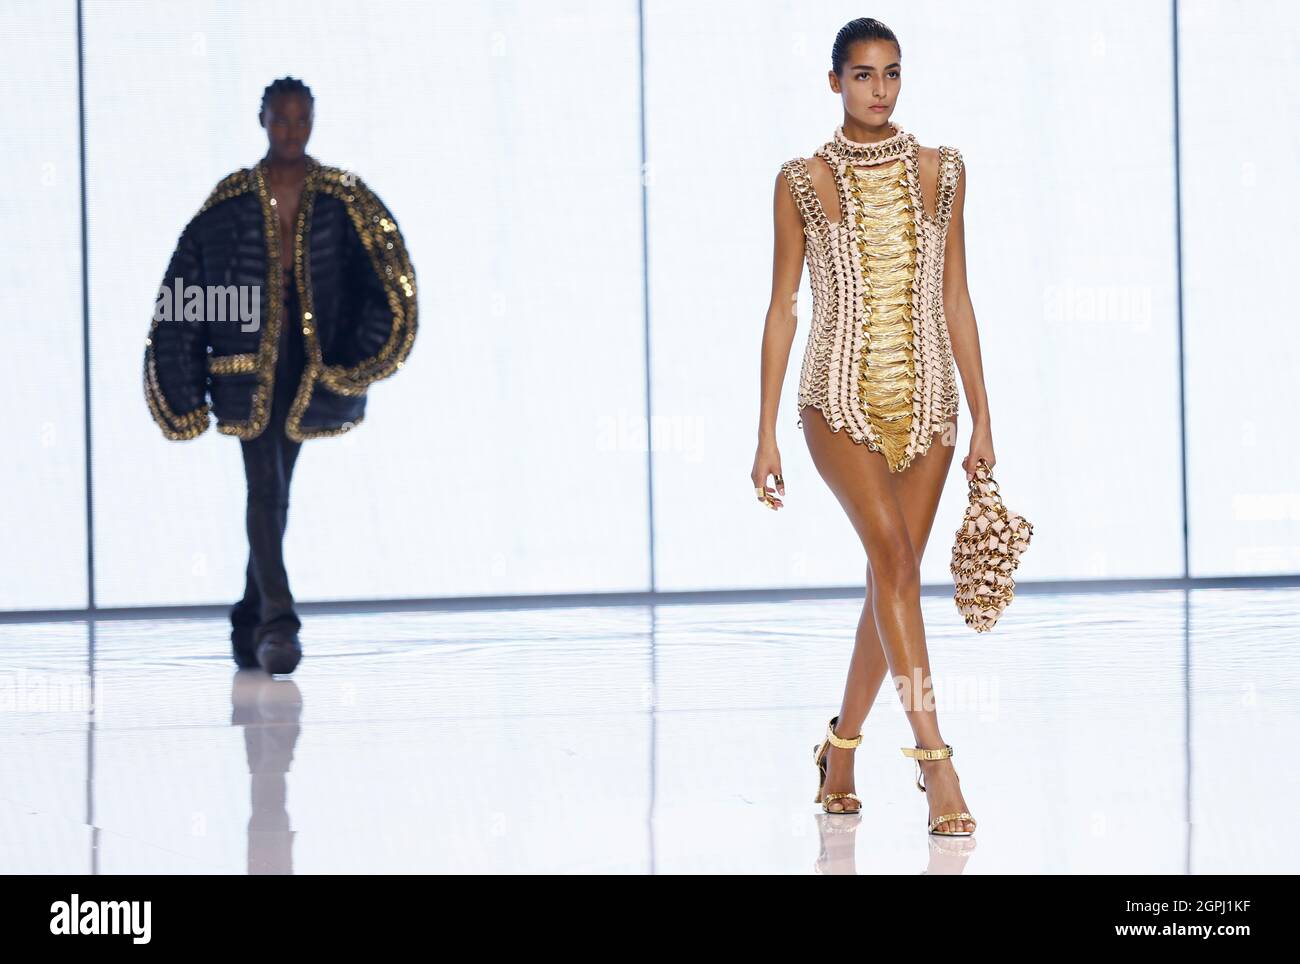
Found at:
<point>1239,64</point>
<point>42,403</point>
<point>505,139</point>
<point>1065,124</point>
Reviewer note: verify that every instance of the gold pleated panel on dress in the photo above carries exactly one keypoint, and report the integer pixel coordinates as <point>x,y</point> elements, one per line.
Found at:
<point>885,244</point>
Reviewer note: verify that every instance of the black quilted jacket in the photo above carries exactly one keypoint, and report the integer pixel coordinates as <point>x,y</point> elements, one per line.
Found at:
<point>356,289</point>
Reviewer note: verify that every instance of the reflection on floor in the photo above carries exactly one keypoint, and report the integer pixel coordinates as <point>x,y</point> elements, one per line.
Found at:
<point>1141,732</point>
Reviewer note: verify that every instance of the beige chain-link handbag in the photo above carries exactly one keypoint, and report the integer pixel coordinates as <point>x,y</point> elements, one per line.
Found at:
<point>986,552</point>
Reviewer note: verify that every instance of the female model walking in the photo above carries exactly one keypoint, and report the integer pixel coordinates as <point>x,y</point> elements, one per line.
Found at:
<point>879,220</point>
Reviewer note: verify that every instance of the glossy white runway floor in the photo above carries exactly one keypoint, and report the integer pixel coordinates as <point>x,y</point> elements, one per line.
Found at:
<point>1095,733</point>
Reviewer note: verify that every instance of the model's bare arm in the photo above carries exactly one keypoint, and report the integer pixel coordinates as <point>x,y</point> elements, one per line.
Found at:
<point>778,334</point>
<point>963,333</point>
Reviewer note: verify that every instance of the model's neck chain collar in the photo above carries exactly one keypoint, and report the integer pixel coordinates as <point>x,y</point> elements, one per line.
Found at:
<point>859,152</point>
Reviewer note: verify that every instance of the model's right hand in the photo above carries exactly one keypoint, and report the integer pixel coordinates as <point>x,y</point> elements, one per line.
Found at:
<point>767,462</point>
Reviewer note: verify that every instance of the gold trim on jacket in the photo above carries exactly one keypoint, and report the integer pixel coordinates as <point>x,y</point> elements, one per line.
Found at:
<point>386,249</point>
<point>232,364</point>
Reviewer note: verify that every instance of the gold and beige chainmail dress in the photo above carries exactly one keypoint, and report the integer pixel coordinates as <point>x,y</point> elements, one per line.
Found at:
<point>878,361</point>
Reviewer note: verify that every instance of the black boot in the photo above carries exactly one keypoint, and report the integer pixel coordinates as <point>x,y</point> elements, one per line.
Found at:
<point>243,626</point>
<point>242,647</point>
<point>279,651</point>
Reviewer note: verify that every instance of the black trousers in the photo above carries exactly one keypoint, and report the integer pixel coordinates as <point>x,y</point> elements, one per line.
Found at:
<point>268,469</point>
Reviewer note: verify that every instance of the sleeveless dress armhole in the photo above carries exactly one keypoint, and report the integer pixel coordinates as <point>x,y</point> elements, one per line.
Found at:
<point>805,196</point>
<point>950,168</point>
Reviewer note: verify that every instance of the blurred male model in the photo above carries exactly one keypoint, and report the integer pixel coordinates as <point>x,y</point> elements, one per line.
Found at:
<point>288,294</point>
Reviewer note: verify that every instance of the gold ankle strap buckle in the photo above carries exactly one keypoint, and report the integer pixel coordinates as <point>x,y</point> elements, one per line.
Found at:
<point>919,754</point>
<point>841,742</point>
<point>937,753</point>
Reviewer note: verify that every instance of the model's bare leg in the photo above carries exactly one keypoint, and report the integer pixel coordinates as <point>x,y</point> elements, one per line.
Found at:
<point>919,500</point>
<point>893,514</point>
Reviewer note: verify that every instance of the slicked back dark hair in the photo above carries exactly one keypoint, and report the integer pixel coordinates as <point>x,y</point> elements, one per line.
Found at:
<point>856,31</point>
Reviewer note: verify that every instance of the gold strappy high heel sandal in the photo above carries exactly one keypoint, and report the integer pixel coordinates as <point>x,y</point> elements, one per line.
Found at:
<point>819,758</point>
<point>942,753</point>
